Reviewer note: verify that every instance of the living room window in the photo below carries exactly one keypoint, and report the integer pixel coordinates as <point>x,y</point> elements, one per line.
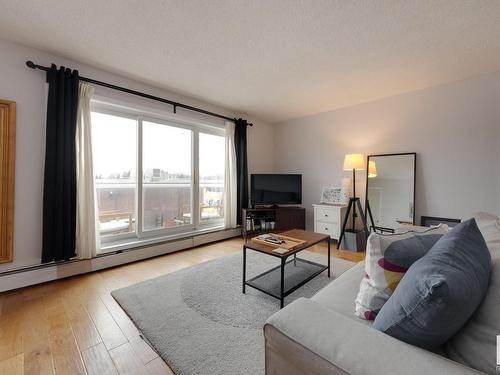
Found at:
<point>211,167</point>
<point>155,175</point>
<point>167,182</point>
<point>114,146</point>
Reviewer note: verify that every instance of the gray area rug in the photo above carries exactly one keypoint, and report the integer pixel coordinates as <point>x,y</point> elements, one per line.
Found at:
<point>199,321</point>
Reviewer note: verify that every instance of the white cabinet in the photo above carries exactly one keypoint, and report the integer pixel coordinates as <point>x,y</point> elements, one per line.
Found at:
<point>328,219</point>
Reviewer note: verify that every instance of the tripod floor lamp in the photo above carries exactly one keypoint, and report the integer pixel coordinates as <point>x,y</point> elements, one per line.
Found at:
<point>372,173</point>
<point>353,162</point>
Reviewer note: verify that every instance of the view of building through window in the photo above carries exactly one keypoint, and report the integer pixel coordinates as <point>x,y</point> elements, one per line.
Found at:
<point>114,141</point>
<point>212,159</point>
<point>167,175</point>
<point>167,178</point>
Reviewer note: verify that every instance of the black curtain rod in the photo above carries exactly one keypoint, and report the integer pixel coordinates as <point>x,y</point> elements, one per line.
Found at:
<point>32,65</point>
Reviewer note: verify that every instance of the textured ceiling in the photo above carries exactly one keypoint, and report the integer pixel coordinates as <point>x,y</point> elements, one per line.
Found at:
<point>275,60</point>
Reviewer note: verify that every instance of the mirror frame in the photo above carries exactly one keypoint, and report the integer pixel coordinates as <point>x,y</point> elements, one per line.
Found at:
<point>382,229</point>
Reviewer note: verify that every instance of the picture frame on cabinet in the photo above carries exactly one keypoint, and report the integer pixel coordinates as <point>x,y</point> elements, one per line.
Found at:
<point>334,195</point>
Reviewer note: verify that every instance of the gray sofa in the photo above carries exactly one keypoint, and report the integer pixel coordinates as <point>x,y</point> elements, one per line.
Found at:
<point>321,335</point>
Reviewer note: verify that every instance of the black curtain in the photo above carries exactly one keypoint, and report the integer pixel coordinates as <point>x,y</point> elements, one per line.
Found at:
<point>59,188</point>
<point>240,144</point>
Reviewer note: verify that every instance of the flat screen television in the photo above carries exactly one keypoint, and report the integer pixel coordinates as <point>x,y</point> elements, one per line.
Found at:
<point>276,189</point>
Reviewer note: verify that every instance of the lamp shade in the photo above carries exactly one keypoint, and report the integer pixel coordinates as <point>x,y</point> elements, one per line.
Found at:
<point>354,161</point>
<point>372,169</point>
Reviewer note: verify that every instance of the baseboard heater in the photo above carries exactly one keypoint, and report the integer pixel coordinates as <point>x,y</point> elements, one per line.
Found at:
<point>38,274</point>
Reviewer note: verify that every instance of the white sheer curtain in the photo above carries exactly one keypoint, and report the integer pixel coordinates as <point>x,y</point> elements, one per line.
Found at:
<point>87,235</point>
<point>230,190</point>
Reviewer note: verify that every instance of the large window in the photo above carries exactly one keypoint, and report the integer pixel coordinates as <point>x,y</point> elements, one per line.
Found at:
<point>115,154</point>
<point>167,176</point>
<point>155,175</point>
<point>212,157</point>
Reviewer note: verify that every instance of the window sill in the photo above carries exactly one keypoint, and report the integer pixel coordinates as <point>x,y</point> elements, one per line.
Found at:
<point>132,243</point>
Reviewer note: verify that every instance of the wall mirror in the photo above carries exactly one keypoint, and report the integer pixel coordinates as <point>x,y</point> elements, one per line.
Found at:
<point>7,155</point>
<point>390,191</point>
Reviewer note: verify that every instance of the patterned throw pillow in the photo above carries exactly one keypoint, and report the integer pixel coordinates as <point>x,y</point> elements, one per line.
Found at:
<point>388,257</point>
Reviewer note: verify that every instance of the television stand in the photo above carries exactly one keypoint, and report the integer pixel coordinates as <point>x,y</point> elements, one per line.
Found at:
<point>257,221</point>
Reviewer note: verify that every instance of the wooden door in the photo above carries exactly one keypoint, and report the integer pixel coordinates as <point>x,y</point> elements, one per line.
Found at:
<point>7,168</point>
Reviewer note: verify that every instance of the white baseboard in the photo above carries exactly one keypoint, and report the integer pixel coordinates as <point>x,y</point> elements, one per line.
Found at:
<point>22,278</point>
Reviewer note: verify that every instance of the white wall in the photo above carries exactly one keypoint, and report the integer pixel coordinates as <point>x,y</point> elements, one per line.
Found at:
<point>454,128</point>
<point>27,87</point>
<point>497,170</point>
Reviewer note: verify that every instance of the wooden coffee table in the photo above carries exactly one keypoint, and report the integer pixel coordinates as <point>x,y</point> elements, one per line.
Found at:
<point>273,282</point>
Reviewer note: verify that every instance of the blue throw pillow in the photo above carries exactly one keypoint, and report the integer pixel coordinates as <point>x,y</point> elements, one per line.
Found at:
<point>440,291</point>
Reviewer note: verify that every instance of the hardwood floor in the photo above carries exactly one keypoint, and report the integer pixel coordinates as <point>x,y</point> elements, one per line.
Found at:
<point>74,326</point>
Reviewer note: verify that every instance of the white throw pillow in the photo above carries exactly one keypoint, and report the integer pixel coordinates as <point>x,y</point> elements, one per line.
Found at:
<point>388,257</point>
<point>489,225</point>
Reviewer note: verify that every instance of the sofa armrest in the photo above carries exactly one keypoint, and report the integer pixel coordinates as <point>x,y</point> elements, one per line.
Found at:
<point>351,347</point>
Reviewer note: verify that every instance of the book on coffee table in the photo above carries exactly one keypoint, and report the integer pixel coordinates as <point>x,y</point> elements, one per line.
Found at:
<point>278,241</point>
